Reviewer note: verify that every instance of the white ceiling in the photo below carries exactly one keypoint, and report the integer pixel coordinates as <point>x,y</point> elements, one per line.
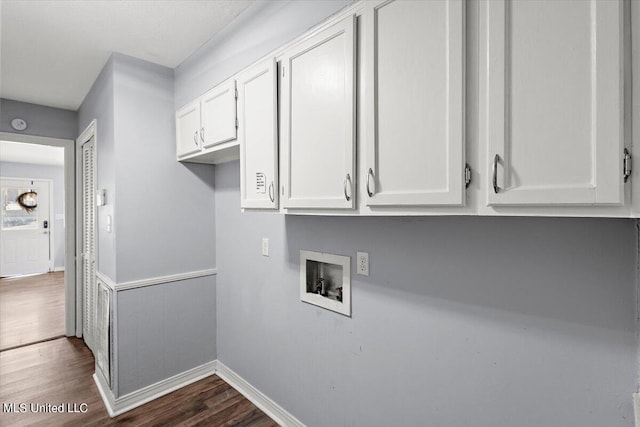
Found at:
<point>19,152</point>
<point>53,50</point>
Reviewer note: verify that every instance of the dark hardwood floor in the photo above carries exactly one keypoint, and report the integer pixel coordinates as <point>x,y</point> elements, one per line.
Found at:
<point>59,372</point>
<point>31,309</point>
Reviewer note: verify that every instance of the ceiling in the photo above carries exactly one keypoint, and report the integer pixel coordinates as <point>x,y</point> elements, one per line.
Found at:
<point>53,50</point>
<point>18,152</point>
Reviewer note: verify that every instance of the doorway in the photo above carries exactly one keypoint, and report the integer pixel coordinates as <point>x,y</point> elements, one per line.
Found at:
<point>61,219</point>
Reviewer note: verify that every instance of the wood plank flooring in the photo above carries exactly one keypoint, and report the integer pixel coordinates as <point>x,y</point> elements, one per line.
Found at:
<point>60,371</point>
<point>31,309</point>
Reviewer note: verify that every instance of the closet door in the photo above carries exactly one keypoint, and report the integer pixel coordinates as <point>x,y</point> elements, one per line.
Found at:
<point>89,285</point>
<point>553,101</point>
<point>258,136</point>
<point>188,129</point>
<point>318,124</point>
<point>415,103</point>
<point>218,114</point>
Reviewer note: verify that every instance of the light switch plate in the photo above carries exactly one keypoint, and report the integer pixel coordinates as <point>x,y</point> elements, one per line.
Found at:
<point>265,246</point>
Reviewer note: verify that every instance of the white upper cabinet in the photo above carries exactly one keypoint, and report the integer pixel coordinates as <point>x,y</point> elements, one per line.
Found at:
<point>414,148</point>
<point>258,136</point>
<point>218,114</point>
<point>188,129</point>
<point>318,123</point>
<point>552,113</point>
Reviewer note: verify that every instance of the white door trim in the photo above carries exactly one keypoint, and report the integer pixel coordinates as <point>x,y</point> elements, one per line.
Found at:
<point>70,217</point>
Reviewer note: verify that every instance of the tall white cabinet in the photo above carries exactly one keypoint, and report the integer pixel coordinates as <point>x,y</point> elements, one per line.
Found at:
<point>258,135</point>
<point>318,120</point>
<point>414,146</point>
<point>553,101</point>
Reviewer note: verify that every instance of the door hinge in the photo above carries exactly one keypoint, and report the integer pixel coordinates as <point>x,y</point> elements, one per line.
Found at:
<point>467,175</point>
<point>626,165</point>
<point>236,123</point>
<point>236,93</point>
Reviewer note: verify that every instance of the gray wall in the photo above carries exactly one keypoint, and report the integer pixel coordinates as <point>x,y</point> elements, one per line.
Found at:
<point>99,105</point>
<point>164,330</point>
<point>163,225</point>
<point>56,174</point>
<point>467,320</point>
<point>165,208</point>
<point>482,321</point>
<point>42,121</point>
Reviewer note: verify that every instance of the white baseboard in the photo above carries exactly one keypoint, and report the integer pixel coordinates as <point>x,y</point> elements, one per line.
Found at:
<point>119,405</point>
<point>255,396</point>
<point>105,393</point>
<point>116,406</point>
<point>57,269</point>
<point>636,407</point>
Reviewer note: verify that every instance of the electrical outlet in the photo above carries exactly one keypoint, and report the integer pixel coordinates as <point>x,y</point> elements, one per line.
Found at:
<point>363,263</point>
<point>265,246</point>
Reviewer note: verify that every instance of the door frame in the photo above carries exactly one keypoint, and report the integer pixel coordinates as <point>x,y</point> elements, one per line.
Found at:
<point>51,216</point>
<point>70,280</point>
<point>86,135</point>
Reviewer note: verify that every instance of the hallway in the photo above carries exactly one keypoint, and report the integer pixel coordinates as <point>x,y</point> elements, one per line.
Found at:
<point>31,309</point>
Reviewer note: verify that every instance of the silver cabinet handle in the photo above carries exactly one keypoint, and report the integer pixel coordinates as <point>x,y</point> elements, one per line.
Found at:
<point>496,159</point>
<point>369,175</point>
<point>202,134</point>
<point>347,196</point>
<point>195,138</point>
<point>271,195</point>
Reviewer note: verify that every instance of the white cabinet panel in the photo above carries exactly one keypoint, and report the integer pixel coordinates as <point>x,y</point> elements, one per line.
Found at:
<point>553,108</point>
<point>319,120</point>
<point>415,103</point>
<point>188,129</point>
<point>258,136</point>
<point>218,114</point>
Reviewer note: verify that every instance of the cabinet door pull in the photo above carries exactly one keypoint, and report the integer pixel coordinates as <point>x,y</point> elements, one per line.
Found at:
<point>369,175</point>
<point>202,134</point>
<point>271,195</point>
<point>195,138</point>
<point>346,195</point>
<point>496,159</point>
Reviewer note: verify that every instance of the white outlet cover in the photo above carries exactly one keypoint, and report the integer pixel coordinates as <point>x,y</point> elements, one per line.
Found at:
<point>362,263</point>
<point>265,246</point>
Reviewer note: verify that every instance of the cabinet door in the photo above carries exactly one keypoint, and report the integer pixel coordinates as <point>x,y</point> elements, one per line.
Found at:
<point>318,124</point>
<point>258,136</point>
<point>553,105</point>
<point>218,114</point>
<point>188,129</point>
<point>415,103</point>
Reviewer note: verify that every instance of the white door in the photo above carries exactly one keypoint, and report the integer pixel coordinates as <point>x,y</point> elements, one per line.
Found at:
<point>319,120</point>
<point>258,136</point>
<point>553,101</point>
<point>26,227</point>
<point>415,103</point>
<point>188,135</point>
<point>218,114</point>
<point>89,242</point>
